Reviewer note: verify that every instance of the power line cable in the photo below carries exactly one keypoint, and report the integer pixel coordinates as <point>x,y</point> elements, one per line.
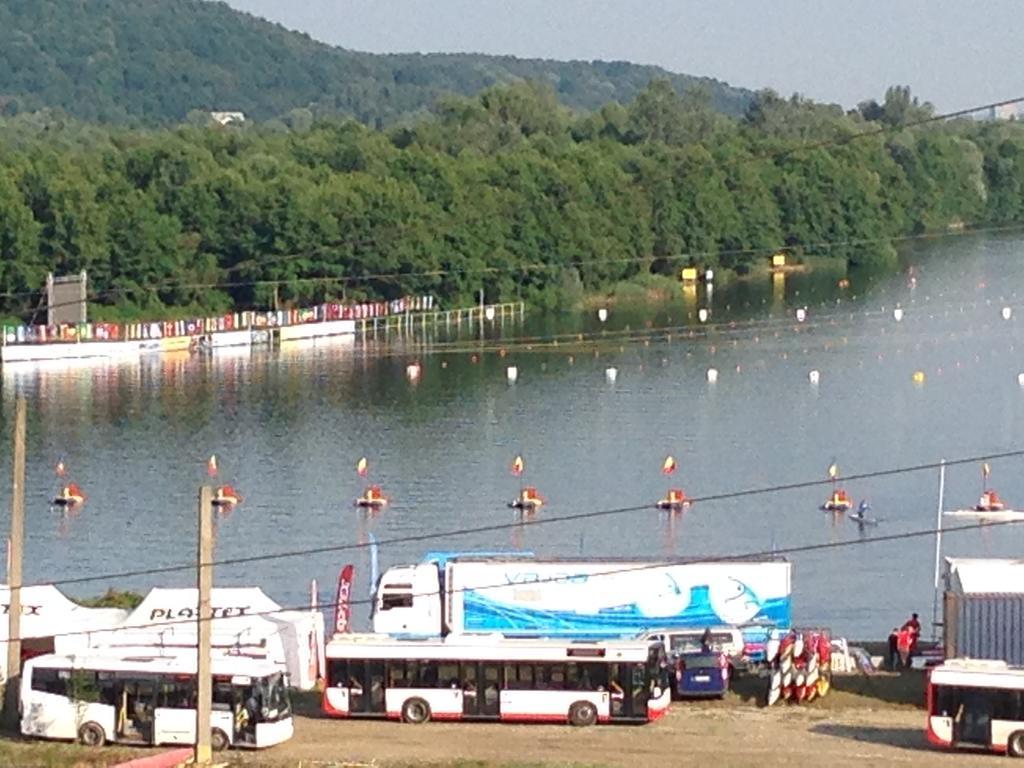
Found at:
<point>632,567</point>
<point>494,527</point>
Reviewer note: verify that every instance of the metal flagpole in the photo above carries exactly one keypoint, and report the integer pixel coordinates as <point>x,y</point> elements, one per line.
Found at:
<point>938,548</point>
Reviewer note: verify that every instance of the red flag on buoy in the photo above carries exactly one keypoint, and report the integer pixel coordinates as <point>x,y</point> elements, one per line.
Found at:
<point>669,466</point>
<point>518,466</point>
<point>211,466</point>
<point>362,467</point>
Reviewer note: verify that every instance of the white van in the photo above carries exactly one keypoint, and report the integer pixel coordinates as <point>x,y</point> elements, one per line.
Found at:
<point>728,640</point>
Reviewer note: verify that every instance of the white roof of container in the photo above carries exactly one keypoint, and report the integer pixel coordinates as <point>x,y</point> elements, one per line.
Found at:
<point>985,575</point>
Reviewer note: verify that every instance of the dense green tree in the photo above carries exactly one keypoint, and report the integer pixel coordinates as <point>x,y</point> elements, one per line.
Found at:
<point>508,193</point>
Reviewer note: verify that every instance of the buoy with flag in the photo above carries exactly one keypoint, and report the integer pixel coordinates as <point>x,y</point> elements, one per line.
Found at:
<point>373,495</point>
<point>989,501</point>
<point>225,497</point>
<point>529,499</point>
<point>675,499</point>
<point>70,494</point>
<point>838,500</point>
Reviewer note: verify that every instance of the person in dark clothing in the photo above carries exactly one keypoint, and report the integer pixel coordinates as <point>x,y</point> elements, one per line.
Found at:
<point>894,653</point>
<point>706,640</point>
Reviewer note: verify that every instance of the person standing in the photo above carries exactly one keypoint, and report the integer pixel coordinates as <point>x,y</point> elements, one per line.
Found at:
<point>913,627</point>
<point>894,653</point>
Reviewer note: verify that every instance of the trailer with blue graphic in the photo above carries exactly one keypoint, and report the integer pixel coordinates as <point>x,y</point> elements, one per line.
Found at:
<point>524,596</point>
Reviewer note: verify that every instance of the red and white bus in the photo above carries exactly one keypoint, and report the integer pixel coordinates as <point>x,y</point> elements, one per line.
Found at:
<point>489,677</point>
<point>977,704</point>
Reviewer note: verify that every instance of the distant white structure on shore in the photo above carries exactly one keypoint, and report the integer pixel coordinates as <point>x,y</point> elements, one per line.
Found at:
<point>228,118</point>
<point>1002,112</point>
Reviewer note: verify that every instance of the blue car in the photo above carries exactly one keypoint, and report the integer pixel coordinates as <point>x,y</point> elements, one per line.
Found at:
<point>702,675</point>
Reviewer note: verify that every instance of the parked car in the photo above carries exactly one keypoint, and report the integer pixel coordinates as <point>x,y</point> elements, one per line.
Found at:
<point>728,640</point>
<point>702,674</point>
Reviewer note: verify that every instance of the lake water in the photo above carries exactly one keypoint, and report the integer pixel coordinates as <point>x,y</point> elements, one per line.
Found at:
<point>289,426</point>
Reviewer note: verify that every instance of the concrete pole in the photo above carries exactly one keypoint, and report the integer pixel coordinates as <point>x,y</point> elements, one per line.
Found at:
<point>204,577</point>
<point>17,544</point>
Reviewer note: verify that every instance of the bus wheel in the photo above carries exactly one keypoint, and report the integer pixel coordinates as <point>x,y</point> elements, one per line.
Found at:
<point>582,713</point>
<point>218,740</point>
<point>415,711</point>
<point>1015,744</point>
<point>92,735</point>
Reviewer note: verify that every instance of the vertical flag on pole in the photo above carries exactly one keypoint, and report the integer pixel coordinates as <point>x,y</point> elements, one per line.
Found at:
<point>833,470</point>
<point>343,601</point>
<point>362,467</point>
<point>518,466</point>
<point>211,466</point>
<point>669,466</point>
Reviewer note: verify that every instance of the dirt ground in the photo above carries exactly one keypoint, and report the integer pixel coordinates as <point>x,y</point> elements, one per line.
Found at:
<point>726,737</point>
<point>875,721</point>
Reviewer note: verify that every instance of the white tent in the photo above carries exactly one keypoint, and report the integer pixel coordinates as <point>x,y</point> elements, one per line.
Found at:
<point>246,622</point>
<point>52,622</point>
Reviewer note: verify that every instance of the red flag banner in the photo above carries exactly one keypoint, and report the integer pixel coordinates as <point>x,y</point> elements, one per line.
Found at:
<point>518,466</point>
<point>343,601</point>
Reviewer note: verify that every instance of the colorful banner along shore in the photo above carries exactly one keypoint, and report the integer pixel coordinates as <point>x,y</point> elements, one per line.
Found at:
<point>87,340</point>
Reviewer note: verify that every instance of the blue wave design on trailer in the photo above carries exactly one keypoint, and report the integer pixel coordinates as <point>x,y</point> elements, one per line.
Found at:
<point>484,615</point>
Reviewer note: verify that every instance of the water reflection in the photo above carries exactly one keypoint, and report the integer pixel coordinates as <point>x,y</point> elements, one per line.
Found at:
<point>289,424</point>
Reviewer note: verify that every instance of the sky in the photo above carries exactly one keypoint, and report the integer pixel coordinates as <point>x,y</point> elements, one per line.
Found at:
<point>953,53</point>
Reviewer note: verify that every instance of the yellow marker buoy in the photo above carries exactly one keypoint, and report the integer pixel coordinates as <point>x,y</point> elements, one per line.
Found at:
<point>919,377</point>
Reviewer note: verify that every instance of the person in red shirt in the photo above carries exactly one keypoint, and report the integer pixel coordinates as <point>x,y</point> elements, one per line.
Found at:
<point>913,627</point>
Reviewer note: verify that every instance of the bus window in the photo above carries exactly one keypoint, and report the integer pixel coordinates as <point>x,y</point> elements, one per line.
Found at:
<point>223,696</point>
<point>49,681</point>
<point>337,673</point>
<point>177,694</point>
<point>556,677</point>
<point>447,674</point>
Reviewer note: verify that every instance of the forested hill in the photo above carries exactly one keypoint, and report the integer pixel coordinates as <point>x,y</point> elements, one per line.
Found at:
<point>154,61</point>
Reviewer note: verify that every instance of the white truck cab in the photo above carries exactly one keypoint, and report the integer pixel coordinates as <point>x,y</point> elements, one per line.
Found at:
<point>408,601</point>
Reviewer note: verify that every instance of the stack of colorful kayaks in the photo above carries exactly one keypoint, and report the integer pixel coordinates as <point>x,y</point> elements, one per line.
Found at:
<point>800,666</point>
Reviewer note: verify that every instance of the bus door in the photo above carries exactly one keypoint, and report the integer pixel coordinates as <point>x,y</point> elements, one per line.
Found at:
<point>136,710</point>
<point>628,689</point>
<point>973,722</point>
<point>366,687</point>
<point>481,689</point>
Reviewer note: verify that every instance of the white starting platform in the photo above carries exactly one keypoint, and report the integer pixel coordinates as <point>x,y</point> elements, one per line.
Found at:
<point>993,515</point>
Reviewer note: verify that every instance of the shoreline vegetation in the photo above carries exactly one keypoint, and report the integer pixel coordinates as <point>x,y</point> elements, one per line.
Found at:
<point>508,192</point>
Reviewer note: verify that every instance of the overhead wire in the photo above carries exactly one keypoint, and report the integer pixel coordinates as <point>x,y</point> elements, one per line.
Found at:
<point>775,553</point>
<point>495,527</point>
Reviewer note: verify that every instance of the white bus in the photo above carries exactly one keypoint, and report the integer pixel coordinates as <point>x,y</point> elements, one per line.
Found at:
<point>977,703</point>
<point>151,700</point>
<point>488,677</point>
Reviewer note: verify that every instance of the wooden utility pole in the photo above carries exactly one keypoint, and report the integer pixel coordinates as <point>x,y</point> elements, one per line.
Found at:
<point>204,578</point>
<point>17,544</point>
